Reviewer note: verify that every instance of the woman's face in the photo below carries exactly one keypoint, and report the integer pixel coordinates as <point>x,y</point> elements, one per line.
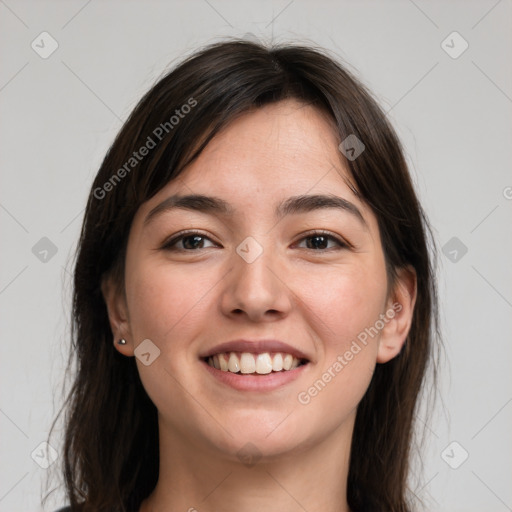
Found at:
<point>257,270</point>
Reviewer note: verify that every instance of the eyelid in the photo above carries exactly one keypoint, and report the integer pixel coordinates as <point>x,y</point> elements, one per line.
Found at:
<point>342,242</point>
<point>176,237</point>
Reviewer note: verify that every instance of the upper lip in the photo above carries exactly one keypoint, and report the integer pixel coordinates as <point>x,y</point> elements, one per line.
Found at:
<point>254,346</point>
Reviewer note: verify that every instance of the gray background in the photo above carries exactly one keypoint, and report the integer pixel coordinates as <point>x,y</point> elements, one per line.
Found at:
<point>59,115</point>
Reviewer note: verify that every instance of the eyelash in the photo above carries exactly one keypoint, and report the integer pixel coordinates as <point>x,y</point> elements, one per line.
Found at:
<point>168,246</point>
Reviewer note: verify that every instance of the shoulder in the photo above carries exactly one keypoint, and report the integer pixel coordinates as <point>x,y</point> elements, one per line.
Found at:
<point>64,509</point>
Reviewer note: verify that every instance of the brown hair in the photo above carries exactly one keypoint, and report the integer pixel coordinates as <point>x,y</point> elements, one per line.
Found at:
<point>111,452</point>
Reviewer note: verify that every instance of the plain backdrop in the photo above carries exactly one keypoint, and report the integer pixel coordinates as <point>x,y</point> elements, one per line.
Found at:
<point>448,94</point>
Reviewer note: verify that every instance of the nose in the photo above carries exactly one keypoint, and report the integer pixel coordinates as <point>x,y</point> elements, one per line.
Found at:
<point>256,290</point>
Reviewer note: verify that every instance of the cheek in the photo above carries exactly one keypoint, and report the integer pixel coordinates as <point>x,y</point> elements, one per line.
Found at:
<point>348,310</point>
<point>168,307</point>
<point>161,300</point>
<point>346,301</point>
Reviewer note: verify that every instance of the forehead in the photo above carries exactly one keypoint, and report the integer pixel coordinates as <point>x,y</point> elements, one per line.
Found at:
<point>274,148</point>
<point>262,159</point>
<point>278,161</point>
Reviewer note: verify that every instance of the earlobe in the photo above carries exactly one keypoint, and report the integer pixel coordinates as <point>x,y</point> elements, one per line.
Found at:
<point>117,310</point>
<point>400,310</point>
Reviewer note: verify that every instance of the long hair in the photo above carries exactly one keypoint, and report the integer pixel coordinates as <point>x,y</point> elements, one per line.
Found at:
<point>111,455</point>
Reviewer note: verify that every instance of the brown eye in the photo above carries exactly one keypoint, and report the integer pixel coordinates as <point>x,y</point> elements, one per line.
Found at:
<point>189,242</point>
<point>319,241</point>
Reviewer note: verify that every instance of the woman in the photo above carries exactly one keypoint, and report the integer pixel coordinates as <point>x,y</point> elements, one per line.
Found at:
<point>254,301</point>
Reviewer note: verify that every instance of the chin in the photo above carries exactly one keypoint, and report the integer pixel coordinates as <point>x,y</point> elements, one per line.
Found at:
<point>263,437</point>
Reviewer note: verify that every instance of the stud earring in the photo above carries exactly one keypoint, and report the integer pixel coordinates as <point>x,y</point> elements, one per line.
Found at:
<point>122,341</point>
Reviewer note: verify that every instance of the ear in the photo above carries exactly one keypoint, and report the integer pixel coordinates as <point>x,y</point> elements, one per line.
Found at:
<point>399,313</point>
<point>117,309</point>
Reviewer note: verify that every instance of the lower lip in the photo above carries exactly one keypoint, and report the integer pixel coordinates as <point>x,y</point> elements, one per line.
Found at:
<point>267,382</point>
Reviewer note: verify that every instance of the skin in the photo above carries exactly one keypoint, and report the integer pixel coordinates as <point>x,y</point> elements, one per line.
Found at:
<point>317,300</point>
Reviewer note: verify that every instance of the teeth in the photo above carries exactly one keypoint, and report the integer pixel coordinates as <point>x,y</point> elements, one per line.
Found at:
<point>233,364</point>
<point>288,362</point>
<point>277,363</point>
<point>247,363</point>
<point>223,363</point>
<point>263,363</point>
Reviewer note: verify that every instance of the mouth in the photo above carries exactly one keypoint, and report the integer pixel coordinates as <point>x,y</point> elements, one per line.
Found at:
<point>254,364</point>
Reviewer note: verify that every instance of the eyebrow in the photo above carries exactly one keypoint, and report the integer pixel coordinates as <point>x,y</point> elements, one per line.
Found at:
<point>217,206</point>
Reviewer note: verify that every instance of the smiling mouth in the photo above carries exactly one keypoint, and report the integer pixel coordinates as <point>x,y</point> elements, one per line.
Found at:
<point>247,363</point>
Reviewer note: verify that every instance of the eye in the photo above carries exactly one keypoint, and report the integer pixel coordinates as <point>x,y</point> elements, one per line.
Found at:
<point>319,241</point>
<point>191,241</point>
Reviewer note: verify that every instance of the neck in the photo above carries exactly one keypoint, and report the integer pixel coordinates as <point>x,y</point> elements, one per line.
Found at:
<point>194,478</point>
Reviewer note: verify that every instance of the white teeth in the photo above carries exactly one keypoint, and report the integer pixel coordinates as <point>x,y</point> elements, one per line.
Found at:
<point>247,363</point>
<point>263,363</point>
<point>223,363</point>
<point>277,363</point>
<point>233,364</point>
